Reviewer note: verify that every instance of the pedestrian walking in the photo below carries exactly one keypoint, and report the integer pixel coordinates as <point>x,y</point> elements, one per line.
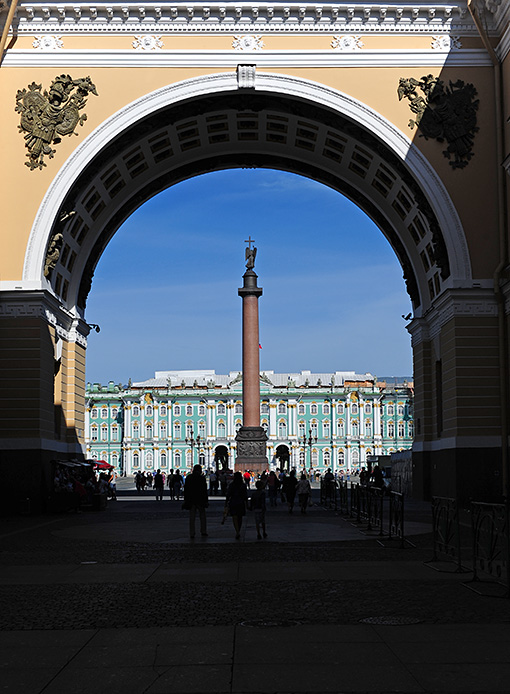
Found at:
<point>304,492</point>
<point>236,499</point>
<point>258,506</point>
<point>273,484</point>
<point>289,489</point>
<point>178,482</point>
<point>196,500</point>
<point>170,480</point>
<point>159,485</point>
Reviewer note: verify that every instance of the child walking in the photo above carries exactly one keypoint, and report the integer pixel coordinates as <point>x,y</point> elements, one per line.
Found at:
<point>258,506</point>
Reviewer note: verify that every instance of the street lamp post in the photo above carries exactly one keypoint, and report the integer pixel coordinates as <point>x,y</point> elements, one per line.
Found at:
<point>193,441</point>
<point>308,442</point>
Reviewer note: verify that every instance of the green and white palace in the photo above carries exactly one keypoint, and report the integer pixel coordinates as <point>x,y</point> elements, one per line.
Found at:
<point>179,418</point>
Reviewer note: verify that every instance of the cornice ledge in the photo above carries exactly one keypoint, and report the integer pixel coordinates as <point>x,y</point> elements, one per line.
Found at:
<point>189,16</point>
<point>475,302</point>
<point>42,304</point>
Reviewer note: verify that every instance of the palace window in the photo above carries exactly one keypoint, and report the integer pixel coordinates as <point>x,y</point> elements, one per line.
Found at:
<point>136,430</point>
<point>264,408</point>
<point>340,408</point>
<point>391,429</point>
<point>136,459</point>
<point>93,413</point>
<point>355,429</point>
<point>400,410</point>
<point>201,430</point>
<point>401,429</point>
<point>390,410</point>
<point>189,458</point>
<point>326,429</point>
<point>301,458</point>
<point>148,410</point>
<point>177,430</point>
<point>282,429</point>
<point>177,459</point>
<point>410,429</point>
<point>264,426</point>
<point>104,433</point>
<point>115,412</point>
<point>341,458</point>
<point>313,428</point>
<point>177,410</point>
<point>315,456</point>
<point>368,428</point>
<point>341,427</point>
<point>301,429</point>
<point>149,459</point>
<point>325,408</point>
<point>104,412</point>
<point>221,430</point>
<point>148,431</point>
<point>115,433</point>
<point>238,425</point>
<point>313,408</point>
<point>368,408</point>
<point>189,430</point>
<point>189,410</point>
<point>355,457</point>
<point>115,459</point>
<point>282,408</point>
<point>354,408</point>
<point>162,459</point>
<point>93,432</point>
<point>201,410</point>
<point>326,456</point>
<point>238,408</point>
<point>162,430</point>
<point>163,411</point>
<point>301,409</point>
<point>136,411</point>
<point>221,408</point>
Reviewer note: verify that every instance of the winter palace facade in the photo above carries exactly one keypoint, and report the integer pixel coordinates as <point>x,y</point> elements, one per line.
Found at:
<point>180,418</point>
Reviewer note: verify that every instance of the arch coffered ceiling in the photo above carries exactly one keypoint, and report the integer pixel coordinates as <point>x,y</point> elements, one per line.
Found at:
<point>246,120</point>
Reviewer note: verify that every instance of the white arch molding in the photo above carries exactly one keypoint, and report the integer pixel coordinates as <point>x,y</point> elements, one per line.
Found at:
<point>293,87</point>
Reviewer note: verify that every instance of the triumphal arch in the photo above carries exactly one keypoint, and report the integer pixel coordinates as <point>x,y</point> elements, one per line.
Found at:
<point>400,106</point>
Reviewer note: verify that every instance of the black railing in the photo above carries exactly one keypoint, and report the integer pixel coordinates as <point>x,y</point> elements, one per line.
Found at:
<point>489,526</point>
<point>446,532</point>
<point>396,522</point>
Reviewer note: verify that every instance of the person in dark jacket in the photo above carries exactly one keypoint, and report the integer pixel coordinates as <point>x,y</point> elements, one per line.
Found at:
<point>159,485</point>
<point>289,485</point>
<point>196,499</point>
<point>237,498</point>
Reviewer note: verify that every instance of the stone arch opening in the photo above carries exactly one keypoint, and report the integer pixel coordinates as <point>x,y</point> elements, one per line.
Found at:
<point>210,124</point>
<point>221,457</point>
<point>282,457</point>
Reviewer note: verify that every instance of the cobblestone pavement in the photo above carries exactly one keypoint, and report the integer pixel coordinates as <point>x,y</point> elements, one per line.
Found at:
<point>39,542</point>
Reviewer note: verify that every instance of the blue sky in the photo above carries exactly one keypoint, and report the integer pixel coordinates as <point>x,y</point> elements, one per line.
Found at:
<point>165,290</point>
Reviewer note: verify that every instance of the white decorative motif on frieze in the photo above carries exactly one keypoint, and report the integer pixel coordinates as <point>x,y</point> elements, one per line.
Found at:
<point>248,42</point>
<point>446,43</point>
<point>347,43</point>
<point>147,42</point>
<point>48,42</point>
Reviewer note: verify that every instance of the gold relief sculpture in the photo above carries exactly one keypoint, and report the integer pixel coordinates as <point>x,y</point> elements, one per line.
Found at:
<point>48,116</point>
<point>443,113</point>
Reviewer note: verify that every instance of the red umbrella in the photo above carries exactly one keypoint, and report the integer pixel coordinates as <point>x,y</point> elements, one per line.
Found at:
<point>102,465</point>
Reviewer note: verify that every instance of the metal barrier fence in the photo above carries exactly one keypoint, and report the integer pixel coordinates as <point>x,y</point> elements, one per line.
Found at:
<point>396,523</point>
<point>343,498</point>
<point>446,531</point>
<point>328,493</point>
<point>490,529</point>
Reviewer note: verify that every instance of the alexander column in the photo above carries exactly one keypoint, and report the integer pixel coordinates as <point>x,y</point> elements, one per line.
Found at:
<point>251,437</point>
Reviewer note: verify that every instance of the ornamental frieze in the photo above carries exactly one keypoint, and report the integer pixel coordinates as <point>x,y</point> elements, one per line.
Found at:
<point>443,113</point>
<point>47,116</point>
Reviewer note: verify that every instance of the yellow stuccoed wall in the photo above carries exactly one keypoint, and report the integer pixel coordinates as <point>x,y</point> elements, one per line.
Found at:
<point>472,190</point>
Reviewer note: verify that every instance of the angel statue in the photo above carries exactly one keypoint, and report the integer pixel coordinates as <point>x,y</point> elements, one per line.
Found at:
<point>46,117</point>
<point>250,254</point>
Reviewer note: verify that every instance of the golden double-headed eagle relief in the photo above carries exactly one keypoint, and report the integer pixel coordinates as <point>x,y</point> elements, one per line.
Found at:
<point>48,116</point>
